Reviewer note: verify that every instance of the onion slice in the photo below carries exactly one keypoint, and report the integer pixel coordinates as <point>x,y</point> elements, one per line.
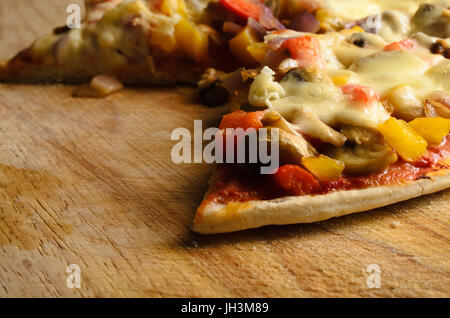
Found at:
<point>305,22</point>
<point>257,27</point>
<point>268,20</point>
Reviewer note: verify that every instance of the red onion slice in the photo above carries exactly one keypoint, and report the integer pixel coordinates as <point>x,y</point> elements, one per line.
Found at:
<point>268,20</point>
<point>257,27</point>
<point>305,22</point>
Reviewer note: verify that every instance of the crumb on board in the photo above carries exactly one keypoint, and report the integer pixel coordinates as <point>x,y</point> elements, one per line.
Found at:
<point>395,224</point>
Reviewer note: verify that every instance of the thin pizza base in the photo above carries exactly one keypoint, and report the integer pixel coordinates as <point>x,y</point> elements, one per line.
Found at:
<point>21,70</point>
<point>220,218</point>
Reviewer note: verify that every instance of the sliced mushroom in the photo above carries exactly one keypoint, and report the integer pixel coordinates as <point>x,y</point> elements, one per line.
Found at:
<point>287,65</point>
<point>371,23</point>
<point>305,122</point>
<point>436,109</point>
<point>310,124</point>
<point>364,159</point>
<point>366,40</point>
<point>292,148</point>
<point>307,74</point>
<point>438,105</point>
<point>361,135</point>
<point>432,20</point>
<point>273,119</point>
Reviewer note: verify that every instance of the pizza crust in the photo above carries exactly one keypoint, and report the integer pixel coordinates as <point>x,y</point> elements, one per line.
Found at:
<point>220,218</point>
<point>21,69</point>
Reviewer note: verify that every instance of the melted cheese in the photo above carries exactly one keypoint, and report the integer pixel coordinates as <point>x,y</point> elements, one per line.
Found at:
<point>357,9</point>
<point>121,34</point>
<point>328,103</point>
<point>384,70</point>
<point>370,66</point>
<point>264,90</point>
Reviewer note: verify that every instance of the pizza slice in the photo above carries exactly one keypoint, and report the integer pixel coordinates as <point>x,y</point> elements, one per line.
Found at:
<point>138,42</point>
<point>363,121</point>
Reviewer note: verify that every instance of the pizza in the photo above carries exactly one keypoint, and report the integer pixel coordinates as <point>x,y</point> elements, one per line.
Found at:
<point>357,93</point>
<point>137,42</point>
<point>363,113</point>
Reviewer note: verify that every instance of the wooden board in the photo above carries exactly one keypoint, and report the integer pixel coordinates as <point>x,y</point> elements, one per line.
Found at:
<point>90,182</point>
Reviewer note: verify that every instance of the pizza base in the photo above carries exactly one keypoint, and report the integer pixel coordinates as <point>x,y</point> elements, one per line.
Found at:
<point>220,218</point>
<point>21,69</point>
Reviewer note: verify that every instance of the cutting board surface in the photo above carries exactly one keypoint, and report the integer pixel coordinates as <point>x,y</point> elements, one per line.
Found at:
<point>91,182</point>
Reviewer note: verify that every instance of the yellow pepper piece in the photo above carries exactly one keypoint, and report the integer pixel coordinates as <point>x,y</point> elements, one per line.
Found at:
<point>164,41</point>
<point>327,20</point>
<point>257,51</point>
<point>433,129</point>
<point>355,29</point>
<point>404,139</point>
<point>238,45</point>
<point>170,7</point>
<point>339,80</point>
<point>192,40</point>
<point>324,167</point>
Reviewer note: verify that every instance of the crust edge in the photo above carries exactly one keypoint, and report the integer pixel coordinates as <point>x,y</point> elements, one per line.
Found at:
<point>235,216</point>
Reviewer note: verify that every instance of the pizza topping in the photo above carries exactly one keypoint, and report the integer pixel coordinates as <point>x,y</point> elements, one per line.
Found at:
<point>310,124</point>
<point>287,9</point>
<point>292,147</point>
<point>305,74</point>
<point>243,8</point>
<point>328,21</point>
<point>436,109</point>
<point>304,22</point>
<point>433,20</point>
<point>440,47</point>
<point>192,40</point>
<point>305,50</point>
<point>366,40</point>
<point>239,45</point>
<point>274,119</point>
<point>438,105</point>
<point>360,94</point>
<point>432,130</point>
<point>361,135</point>
<point>288,65</point>
<point>405,44</point>
<point>241,119</point>
<point>294,180</point>
<point>404,139</point>
<point>231,27</point>
<point>264,90</point>
<point>405,103</point>
<point>395,25</point>
<point>323,167</point>
<point>253,9</point>
<point>371,23</point>
<point>364,159</point>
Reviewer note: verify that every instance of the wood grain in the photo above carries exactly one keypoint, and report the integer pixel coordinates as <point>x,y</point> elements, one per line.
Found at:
<point>90,182</point>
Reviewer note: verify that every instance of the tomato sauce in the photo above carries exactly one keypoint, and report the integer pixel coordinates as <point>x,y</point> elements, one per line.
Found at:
<point>241,183</point>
